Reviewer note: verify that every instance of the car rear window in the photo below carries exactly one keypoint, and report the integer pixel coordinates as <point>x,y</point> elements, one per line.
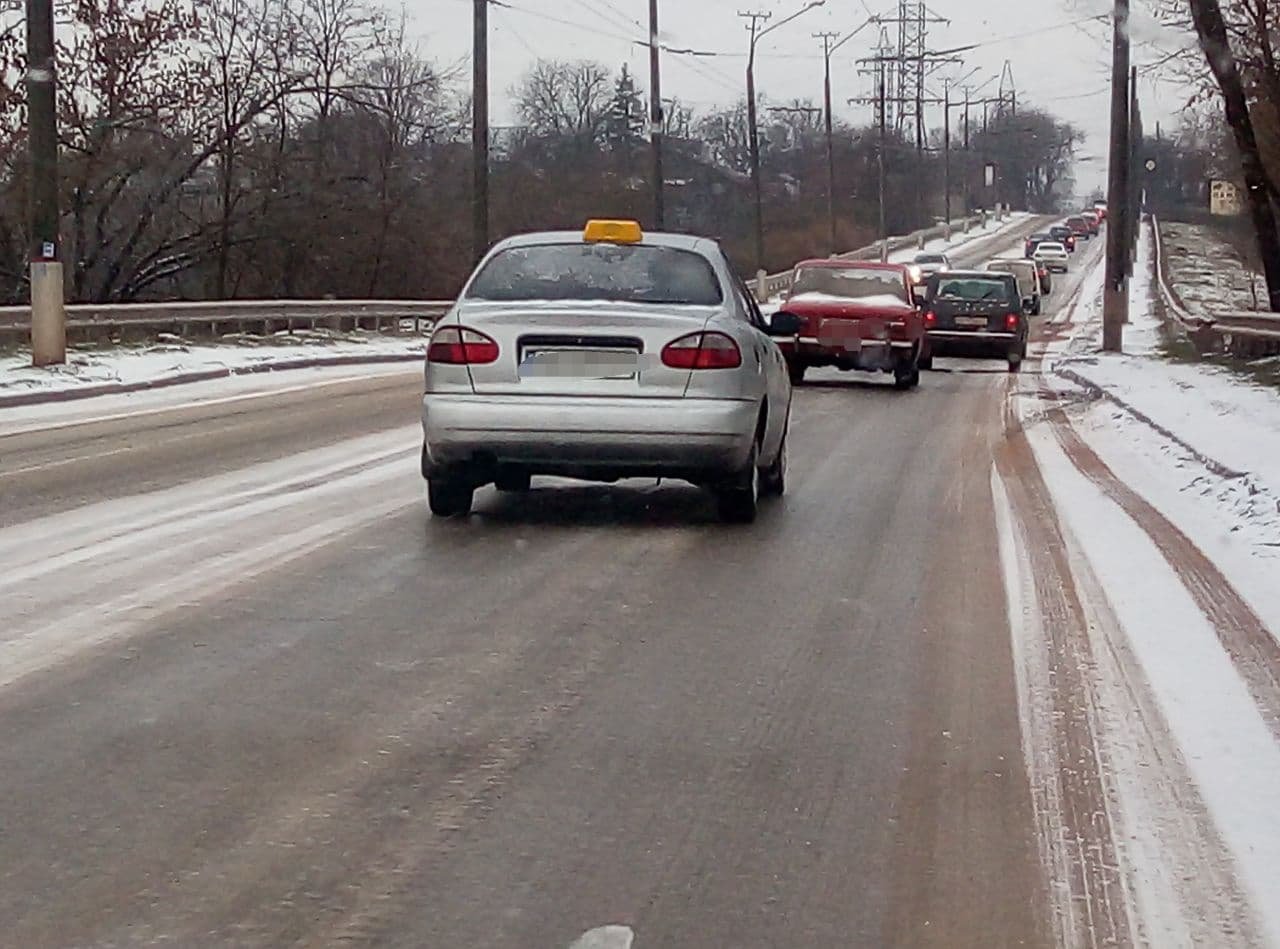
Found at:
<point>930,259</point>
<point>858,283</point>
<point>972,289</point>
<point>608,272</point>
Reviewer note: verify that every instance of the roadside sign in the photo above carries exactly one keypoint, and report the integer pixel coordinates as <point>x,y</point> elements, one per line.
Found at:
<point>1224,198</point>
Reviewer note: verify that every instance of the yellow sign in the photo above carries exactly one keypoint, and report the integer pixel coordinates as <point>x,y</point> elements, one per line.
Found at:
<point>612,232</point>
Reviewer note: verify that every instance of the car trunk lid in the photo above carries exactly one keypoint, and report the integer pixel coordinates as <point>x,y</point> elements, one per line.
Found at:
<point>581,349</point>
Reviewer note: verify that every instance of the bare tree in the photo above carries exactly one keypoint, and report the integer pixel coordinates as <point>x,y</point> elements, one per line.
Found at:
<point>1216,41</point>
<point>558,98</point>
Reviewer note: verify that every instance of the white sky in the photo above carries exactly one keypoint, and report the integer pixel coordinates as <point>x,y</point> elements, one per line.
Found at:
<point>1058,63</point>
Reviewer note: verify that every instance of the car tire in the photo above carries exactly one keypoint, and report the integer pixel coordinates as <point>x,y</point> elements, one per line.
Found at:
<point>450,496</point>
<point>515,482</point>
<point>925,362</point>
<point>796,371</point>
<point>906,376</point>
<point>1015,360</point>
<point>738,499</point>
<point>773,480</point>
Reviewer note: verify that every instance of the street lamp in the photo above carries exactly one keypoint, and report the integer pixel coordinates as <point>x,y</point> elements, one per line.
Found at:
<point>828,49</point>
<point>753,137</point>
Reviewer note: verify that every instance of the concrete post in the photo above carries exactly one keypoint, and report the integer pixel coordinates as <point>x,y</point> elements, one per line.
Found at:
<point>48,316</point>
<point>761,277</point>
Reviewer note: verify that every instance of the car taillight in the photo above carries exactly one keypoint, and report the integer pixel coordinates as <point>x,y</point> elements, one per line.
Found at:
<point>930,318</point>
<point>702,351</point>
<point>460,346</point>
<point>1011,321</point>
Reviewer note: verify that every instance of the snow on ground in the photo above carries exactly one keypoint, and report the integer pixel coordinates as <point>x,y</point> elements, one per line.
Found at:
<point>1191,741</point>
<point>959,239</point>
<point>1208,271</point>
<point>171,356</point>
<point>1206,437</point>
<point>225,391</point>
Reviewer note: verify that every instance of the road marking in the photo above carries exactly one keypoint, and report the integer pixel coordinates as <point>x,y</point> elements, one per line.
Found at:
<point>199,403</point>
<point>65,461</point>
<point>605,937</point>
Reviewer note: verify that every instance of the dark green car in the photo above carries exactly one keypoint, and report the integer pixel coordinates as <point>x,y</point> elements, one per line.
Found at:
<point>975,313</point>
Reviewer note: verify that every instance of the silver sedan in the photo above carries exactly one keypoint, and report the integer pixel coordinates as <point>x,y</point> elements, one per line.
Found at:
<point>603,355</point>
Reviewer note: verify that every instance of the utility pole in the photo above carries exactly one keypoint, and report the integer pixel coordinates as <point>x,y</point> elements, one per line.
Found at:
<point>1115,300</point>
<point>480,132</point>
<point>753,136</point>
<point>831,152</point>
<point>884,231</point>
<point>1135,174</point>
<point>656,118</point>
<point>48,315</point>
<point>946,153</point>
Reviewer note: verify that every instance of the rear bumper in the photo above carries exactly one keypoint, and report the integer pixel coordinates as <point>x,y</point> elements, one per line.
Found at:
<point>872,355</point>
<point>981,336</point>
<point>617,437</point>
<point>973,342</point>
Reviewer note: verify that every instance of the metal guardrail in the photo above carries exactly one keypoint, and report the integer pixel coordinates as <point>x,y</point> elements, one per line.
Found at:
<point>94,322</point>
<point>768,286</point>
<point>1242,333</point>
<point>99,322</point>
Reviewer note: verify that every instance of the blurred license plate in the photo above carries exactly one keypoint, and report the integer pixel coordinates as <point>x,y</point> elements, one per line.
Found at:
<point>579,364</point>
<point>841,334</point>
<point>971,321</point>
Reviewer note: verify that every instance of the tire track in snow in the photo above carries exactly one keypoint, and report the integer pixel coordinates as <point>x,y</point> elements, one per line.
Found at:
<point>1077,839</point>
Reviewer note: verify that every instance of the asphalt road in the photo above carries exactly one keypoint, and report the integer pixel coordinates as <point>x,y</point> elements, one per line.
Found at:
<point>252,695</point>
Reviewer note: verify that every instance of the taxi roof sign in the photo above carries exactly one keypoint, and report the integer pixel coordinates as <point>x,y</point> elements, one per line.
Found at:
<point>612,232</point>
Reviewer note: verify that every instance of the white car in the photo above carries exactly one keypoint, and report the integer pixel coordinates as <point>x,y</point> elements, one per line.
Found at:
<point>1054,255</point>
<point>1028,275</point>
<point>606,354</point>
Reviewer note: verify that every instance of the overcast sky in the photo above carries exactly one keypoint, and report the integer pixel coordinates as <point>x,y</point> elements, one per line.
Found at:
<point>1060,60</point>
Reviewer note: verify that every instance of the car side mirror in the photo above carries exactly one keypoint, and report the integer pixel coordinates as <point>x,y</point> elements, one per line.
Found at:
<point>784,324</point>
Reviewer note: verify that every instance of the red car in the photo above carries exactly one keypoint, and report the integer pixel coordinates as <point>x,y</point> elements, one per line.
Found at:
<point>855,315</point>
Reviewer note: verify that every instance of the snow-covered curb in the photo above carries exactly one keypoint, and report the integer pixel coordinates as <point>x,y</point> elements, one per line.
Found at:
<point>92,373</point>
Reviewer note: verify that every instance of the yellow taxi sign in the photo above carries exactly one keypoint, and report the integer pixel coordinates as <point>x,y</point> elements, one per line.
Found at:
<point>612,232</point>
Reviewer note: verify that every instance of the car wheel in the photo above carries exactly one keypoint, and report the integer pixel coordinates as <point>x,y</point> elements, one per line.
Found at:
<point>796,371</point>
<point>773,480</point>
<point>906,376</point>
<point>450,496</point>
<point>1015,361</point>
<point>513,481</point>
<point>739,498</point>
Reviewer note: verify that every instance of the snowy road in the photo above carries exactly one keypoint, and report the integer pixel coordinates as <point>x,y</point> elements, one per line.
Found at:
<point>251,695</point>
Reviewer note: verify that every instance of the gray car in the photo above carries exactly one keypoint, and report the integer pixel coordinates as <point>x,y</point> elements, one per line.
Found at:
<point>601,355</point>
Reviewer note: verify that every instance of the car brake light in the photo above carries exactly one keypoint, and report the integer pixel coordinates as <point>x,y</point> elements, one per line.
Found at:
<point>1011,321</point>
<point>702,351</point>
<point>930,318</point>
<point>460,346</point>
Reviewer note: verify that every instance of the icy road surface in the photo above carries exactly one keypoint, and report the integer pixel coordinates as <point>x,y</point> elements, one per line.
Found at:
<point>252,695</point>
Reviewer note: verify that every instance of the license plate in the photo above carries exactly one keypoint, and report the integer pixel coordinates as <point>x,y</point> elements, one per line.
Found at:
<point>971,321</point>
<point>842,335</point>
<point>579,364</point>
